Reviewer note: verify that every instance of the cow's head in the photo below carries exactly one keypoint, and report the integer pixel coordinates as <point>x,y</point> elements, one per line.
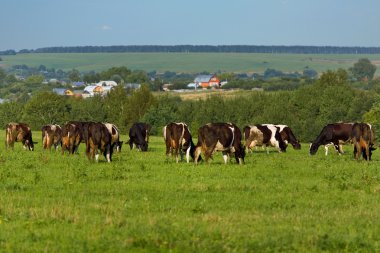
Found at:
<point>144,146</point>
<point>313,148</point>
<point>296,145</point>
<point>29,144</point>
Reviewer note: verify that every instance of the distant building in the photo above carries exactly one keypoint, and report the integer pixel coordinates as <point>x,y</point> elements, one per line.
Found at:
<point>78,84</point>
<point>63,92</point>
<point>107,83</point>
<point>92,90</point>
<point>207,81</point>
<point>132,86</point>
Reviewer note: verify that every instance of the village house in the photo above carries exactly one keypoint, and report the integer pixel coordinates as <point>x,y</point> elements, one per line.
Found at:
<point>206,81</point>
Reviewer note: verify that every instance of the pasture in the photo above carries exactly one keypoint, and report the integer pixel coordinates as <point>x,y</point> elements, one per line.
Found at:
<point>189,62</point>
<point>142,202</point>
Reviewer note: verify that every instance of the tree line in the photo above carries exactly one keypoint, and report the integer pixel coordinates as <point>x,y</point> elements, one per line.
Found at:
<point>306,110</point>
<point>202,49</point>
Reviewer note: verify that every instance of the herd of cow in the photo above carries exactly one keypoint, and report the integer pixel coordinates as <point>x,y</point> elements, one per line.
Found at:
<point>104,138</point>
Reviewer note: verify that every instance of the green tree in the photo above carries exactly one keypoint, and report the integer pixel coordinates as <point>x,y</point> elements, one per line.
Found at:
<point>10,112</point>
<point>74,75</point>
<point>363,70</point>
<point>122,72</point>
<point>45,108</point>
<point>35,79</point>
<point>90,109</point>
<point>138,104</point>
<point>333,78</point>
<point>115,106</point>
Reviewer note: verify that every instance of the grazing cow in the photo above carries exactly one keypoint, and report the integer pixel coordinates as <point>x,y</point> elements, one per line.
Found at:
<point>363,137</point>
<point>264,135</point>
<point>98,138</point>
<point>178,139</point>
<point>71,137</point>
<point>225,137</point>
<point>332,134</point>
<point>115,136</point>
<point>139,135</point>
<point>288,137</point>
<point>51,135</point>
<point>15,132</point>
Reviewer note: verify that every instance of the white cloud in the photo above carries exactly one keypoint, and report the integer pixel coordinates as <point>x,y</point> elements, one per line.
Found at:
<point>105,27</point>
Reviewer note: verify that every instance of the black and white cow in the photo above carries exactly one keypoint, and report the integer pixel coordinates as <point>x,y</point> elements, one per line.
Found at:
<point>51,136</point>
<point>139,135</point>
<point>178,139</point>
<point>363,137</point>
<point>335,134</point>
<point>115,136</point>
<point>288,136</point>
<point>225,137</point>
<point>264,135</point>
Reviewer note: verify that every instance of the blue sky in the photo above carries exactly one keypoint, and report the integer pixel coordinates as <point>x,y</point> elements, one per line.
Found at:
<point>31,24</point>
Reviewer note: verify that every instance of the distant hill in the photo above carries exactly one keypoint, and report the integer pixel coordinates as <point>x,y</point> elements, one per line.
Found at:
<point>202,49</point>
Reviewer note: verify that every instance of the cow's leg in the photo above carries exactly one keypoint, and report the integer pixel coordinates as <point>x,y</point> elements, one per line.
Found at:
<point>188,154</point>
<point>107,153</point>
<point>358,150</point>
<point>326,149</point>
<point>341,148</point>
<point>225,156</point>
<point>197,153</point>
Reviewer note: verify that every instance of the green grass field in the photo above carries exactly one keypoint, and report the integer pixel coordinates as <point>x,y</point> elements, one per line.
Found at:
<point>142,202</point>
<point>189,62</point>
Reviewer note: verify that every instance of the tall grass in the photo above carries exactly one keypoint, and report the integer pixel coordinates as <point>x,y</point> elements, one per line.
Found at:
<point>145,202</point>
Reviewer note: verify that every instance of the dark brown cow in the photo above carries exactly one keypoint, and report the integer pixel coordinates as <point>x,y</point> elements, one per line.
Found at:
<point>51,135</point>
<point>332,134</point>
<point>264,135</point>
<point>98,139</point>
<point>15,132</point>
<point>178,140</point>
<point>115,136</point>
<point>71,137</point>
<point>363,137</point>
<point>225,137</point>
<point>139,135</point>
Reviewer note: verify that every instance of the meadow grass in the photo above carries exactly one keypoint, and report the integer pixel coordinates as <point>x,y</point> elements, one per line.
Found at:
<point>144,202</point>
<point>189,62</point>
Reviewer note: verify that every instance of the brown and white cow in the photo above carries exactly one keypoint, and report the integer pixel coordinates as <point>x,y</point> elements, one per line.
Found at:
<point>115,136</point>
<point>97,139</point>
<point>15,132</point>
<point>363,137</point>
<point>51,135</point>
<point>264,135</point>
<point>225,137</point>
<point>178,139</point>
<point>335,134</point>
<point>71,137</point>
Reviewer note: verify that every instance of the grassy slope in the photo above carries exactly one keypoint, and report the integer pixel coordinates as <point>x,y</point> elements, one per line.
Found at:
<point>141,202</point>
<point>192,62</point>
